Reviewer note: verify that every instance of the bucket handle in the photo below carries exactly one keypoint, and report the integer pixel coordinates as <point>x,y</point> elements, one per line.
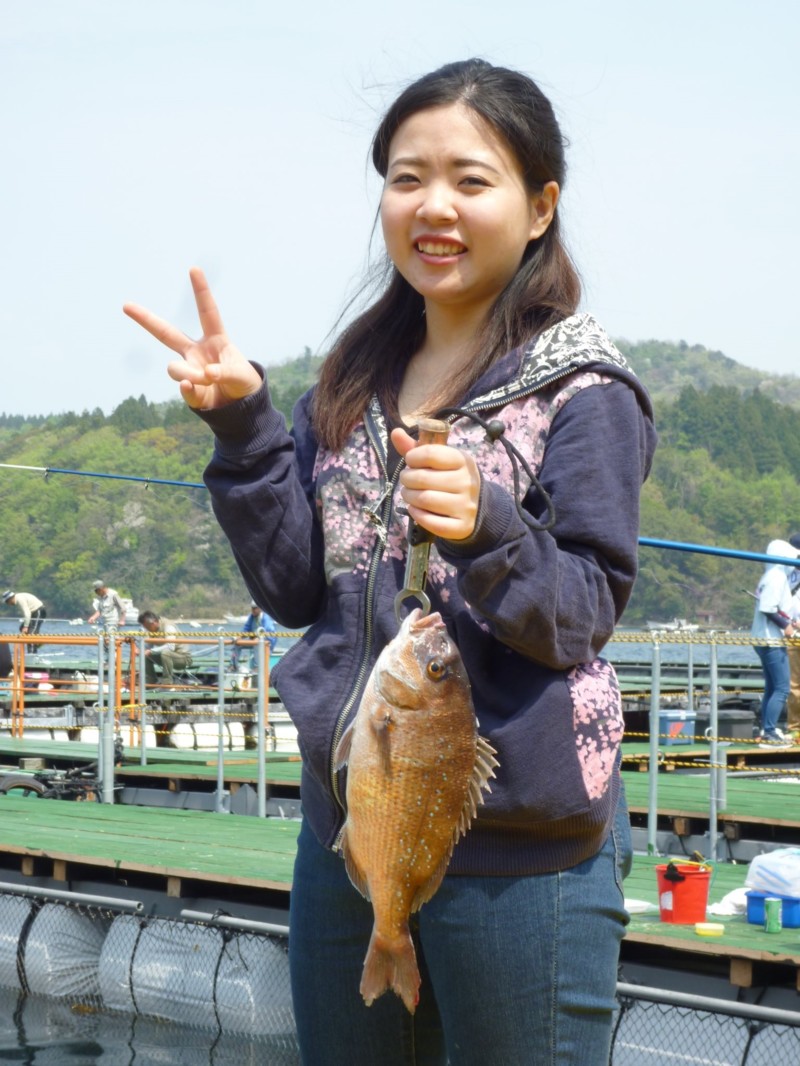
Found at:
<point>672,873</point>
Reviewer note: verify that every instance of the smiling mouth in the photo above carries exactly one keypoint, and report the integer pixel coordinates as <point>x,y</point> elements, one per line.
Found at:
<point>440,248</point>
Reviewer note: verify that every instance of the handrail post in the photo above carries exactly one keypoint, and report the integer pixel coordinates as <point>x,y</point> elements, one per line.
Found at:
<point>142,683</point>
<point>101,672</point>
<point>717,786</point>
<point>108,723</point>
<point>690,670</point>
<point>18,692</point>
<point>262,668</point>
<point>655,701</point>
<point>218,799</point>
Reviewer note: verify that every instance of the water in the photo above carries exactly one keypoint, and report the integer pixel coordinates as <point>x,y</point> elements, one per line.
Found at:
<point>674,652</point>
<point>39,1031</point>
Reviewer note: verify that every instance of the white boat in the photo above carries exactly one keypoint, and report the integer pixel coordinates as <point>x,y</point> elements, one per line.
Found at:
<point>673,626</point>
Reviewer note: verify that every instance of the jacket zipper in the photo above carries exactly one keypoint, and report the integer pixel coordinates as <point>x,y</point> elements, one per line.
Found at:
<point>379,514</point>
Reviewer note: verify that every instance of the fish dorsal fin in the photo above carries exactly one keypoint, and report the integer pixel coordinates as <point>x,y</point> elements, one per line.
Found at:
<point>353,872</point>
<point>485,762</point>
<point>342,753</point>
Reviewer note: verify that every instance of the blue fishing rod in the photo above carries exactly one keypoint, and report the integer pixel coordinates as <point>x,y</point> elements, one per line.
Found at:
<point>704,549</point>
<point>645,542</point>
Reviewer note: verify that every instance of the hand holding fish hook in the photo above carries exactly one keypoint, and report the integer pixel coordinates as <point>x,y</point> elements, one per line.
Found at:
<point>441,487</point>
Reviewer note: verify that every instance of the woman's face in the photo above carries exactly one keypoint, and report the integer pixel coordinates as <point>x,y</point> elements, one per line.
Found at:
<point>455,211</point>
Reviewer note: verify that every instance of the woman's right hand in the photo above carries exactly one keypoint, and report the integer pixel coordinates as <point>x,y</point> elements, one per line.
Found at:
<point>212,372</point>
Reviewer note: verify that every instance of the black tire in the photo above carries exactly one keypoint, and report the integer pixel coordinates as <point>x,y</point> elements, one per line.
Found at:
<point>22,787</point>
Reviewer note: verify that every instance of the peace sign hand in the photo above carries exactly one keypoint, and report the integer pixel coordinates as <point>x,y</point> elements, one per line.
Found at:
<point>211,371</point>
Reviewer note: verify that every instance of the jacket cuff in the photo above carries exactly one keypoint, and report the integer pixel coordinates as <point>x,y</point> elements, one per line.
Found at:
<point>496,512</point>
<point>250,422</point>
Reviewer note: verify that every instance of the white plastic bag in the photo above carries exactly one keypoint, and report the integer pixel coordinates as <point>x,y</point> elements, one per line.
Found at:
<point>777,872</point>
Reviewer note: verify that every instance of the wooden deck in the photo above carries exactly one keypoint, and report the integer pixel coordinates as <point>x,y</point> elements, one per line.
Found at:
<point>775,801</point>
<point>172,851</point>
<point>742,947</point>
<point>170,848</point>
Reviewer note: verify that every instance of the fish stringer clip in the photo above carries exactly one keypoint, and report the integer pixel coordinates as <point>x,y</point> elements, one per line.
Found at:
<point>431,431</point>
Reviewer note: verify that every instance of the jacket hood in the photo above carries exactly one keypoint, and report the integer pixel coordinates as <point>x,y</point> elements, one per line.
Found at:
<point>578,342</point>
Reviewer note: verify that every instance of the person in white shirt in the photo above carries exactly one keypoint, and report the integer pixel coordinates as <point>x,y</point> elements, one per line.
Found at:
<point>793,652</point>
<point>32,610</point>
<point>772,620</point>
<point>107,606</point>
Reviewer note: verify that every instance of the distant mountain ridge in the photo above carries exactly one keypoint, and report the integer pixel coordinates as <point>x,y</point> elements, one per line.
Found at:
<point>666,368</point>
<point>726,473</point>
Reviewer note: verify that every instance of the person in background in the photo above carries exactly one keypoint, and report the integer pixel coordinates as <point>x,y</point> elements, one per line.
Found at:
<point>793,653</point>
<point>108,607</point>
<point>171,655</point>
<point>257,620</point>
<point>475,311</point>
<point>772,618</point>
<point>32,610</point>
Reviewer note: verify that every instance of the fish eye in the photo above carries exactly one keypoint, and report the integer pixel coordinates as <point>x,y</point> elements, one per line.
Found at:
<point>436,670</point>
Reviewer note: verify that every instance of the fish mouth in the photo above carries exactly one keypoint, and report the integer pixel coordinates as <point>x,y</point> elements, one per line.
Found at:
<point>418,621</point>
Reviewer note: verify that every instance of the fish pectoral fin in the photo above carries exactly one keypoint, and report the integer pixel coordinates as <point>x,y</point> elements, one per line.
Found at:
<point>342,754</point>
<point>354,872</point>
<point>431,887</point>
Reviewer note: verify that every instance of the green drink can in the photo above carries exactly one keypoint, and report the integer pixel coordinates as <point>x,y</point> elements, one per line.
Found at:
<point>772,915</point>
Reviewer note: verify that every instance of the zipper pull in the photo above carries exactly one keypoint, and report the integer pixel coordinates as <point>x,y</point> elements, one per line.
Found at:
<point>376,520</point>
<point>372,515</point>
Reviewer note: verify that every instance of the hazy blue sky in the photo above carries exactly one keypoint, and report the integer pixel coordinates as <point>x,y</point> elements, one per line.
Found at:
<point>139,139</point>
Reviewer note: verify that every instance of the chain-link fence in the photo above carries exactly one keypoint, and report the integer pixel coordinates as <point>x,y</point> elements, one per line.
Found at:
<point>654,1027</point>
<point>91,958</point>
<point>116,977</point>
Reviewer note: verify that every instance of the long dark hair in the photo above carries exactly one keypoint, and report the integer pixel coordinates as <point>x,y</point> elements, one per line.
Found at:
<point>370,356</point>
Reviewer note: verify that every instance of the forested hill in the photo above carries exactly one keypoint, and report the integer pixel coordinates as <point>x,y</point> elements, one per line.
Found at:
<point>726,473</point>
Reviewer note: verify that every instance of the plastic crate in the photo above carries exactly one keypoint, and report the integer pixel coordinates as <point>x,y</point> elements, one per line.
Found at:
<point>790,909</point>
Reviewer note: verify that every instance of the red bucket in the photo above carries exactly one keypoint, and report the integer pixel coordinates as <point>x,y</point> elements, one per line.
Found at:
<point>683,892</point>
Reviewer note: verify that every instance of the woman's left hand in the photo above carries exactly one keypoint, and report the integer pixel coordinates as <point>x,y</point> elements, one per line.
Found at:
<point>440,485</point>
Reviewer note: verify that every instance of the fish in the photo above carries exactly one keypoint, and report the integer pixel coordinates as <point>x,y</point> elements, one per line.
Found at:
<point>416,773</point>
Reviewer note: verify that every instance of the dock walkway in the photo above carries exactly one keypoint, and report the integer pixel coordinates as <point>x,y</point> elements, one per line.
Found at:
<point>169,846</point>
<point>167,849</point>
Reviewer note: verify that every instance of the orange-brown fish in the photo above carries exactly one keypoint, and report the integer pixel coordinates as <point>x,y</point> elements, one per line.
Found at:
<point>415,770</point>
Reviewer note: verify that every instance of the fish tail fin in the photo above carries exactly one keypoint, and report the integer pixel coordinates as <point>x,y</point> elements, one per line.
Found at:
<point>391,964</point>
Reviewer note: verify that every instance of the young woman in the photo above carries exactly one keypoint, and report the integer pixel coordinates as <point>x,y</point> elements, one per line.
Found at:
<point>532,565</point>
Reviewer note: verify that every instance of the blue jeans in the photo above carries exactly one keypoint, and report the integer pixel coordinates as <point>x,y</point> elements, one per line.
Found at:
<point>775,664</point>
<point>516,971</point>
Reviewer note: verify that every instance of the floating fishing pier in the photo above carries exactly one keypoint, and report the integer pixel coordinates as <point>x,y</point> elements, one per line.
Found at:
<point>192,839</point>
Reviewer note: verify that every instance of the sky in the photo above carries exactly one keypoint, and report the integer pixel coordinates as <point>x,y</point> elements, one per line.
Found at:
<point>142,138</point>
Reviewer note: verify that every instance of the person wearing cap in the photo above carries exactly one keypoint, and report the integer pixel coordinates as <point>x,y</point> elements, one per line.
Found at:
<point>772,620</point>
<point>107,607</point>
<point>170,655</point>
<point>793,652</point>
<point>32,610</point>
<point>257,620</point>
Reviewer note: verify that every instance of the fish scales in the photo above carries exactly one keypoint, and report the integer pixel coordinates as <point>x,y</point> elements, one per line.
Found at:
<point>416,770</point>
